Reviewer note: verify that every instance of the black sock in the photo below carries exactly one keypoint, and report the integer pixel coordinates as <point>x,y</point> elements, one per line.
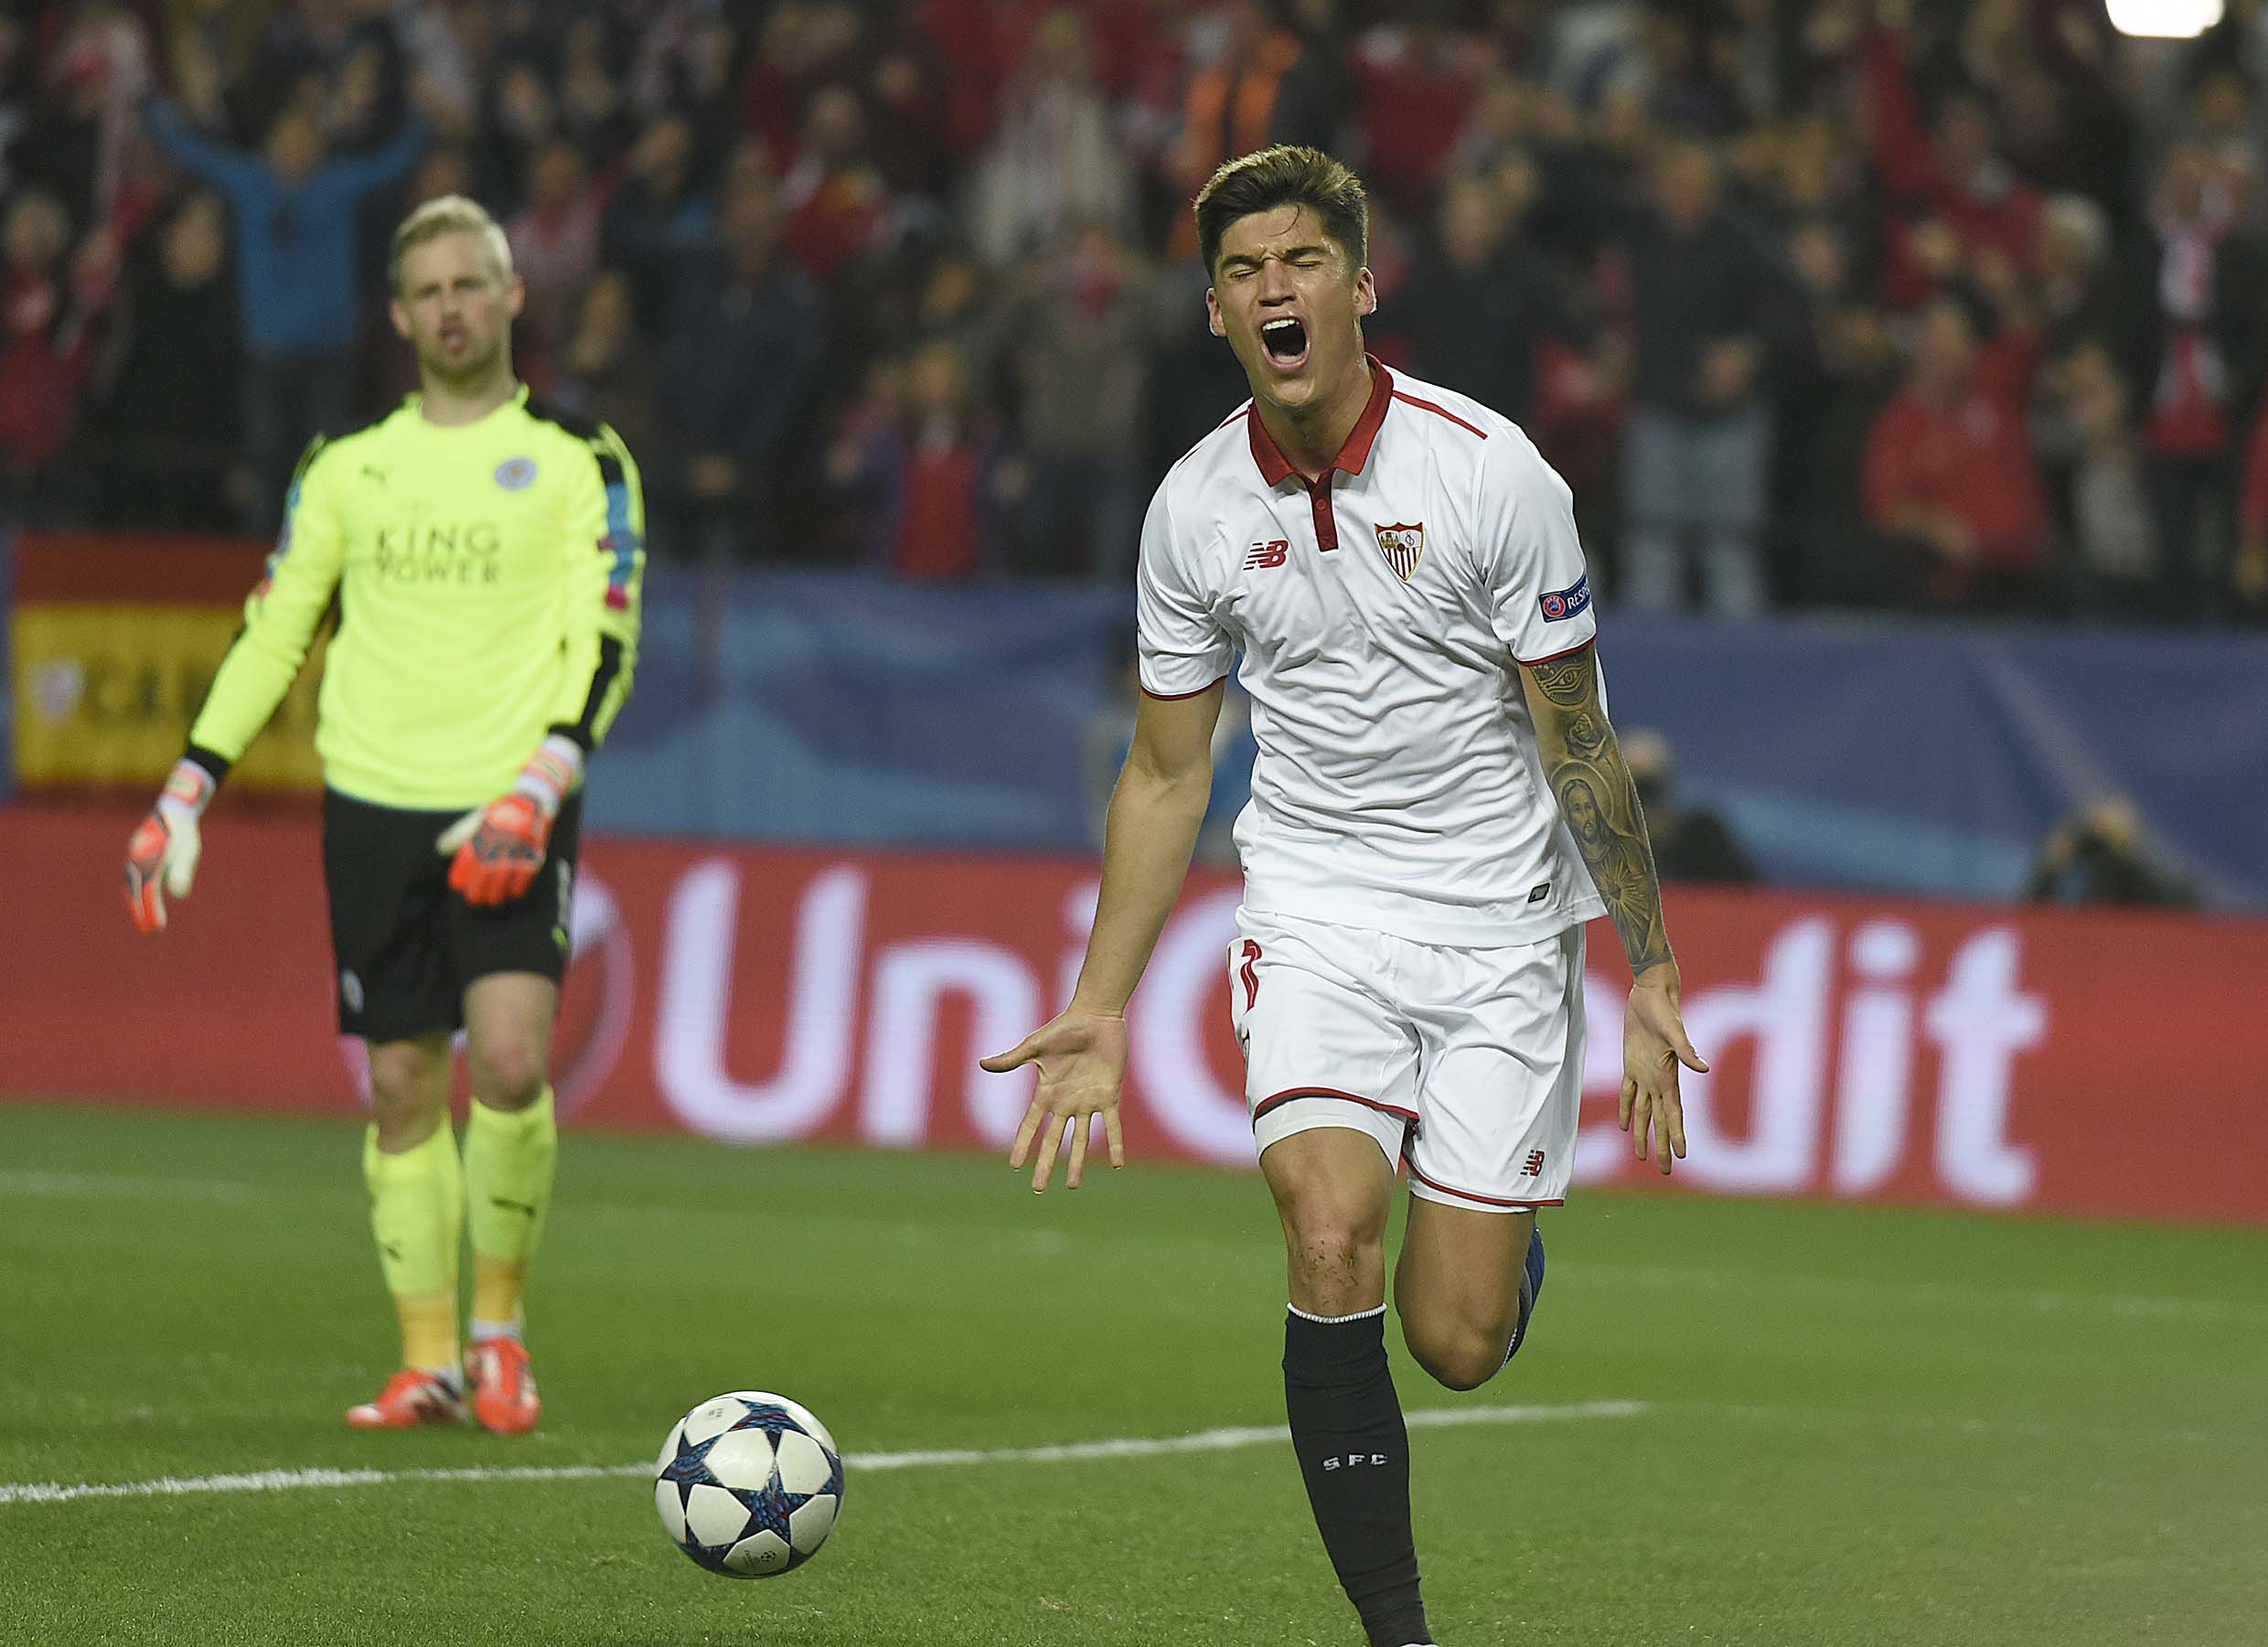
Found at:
<point>1353,1449</point>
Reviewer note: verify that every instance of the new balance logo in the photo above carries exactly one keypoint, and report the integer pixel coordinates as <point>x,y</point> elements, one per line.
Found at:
<point>1535,1164</point>
<point>1273,552</point>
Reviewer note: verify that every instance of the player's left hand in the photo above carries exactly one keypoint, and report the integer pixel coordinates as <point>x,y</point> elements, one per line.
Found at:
<point>497,849</point>
<point>1654,1046</point>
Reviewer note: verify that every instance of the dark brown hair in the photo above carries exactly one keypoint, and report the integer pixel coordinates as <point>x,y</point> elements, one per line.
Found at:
<point>1286,175</point>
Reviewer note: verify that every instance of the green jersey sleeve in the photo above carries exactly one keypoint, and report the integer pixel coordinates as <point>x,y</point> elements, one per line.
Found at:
<point>605,549</point>
<point>280,619</point>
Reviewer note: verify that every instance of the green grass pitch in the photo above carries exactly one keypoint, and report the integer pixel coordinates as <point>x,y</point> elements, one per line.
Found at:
<point>1851,1427</point>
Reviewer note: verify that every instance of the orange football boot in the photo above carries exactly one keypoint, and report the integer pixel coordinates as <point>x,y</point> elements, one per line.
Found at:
<point>409,1399</point>
<point>504,1386</point>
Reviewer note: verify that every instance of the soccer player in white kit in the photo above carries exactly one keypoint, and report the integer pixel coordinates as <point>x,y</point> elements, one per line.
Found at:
<point>1438,805</point>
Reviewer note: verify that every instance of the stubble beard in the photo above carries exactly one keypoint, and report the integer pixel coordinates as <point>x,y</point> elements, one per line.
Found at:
<point>458,377</point>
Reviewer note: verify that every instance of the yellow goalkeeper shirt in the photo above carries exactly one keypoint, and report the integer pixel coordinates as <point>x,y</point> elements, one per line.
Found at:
<point>488,578</point>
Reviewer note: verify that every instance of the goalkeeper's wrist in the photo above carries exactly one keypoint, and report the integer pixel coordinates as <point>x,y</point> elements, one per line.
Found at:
<point>189,790</point>
<point>551,772</point>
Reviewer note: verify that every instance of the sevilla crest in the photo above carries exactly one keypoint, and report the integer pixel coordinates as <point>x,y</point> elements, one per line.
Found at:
<point>1403,546</point>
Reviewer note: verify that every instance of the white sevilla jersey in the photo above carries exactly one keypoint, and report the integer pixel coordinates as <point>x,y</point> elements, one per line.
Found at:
<point>1380,613</point>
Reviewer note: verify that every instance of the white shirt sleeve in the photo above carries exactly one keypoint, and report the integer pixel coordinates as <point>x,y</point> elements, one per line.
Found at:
<point>1183,648</point>
<point>1539,589</point>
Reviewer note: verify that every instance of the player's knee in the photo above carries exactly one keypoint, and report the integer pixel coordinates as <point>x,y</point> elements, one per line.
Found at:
<point>1338,1259</point>
<point>407,1095</point>
<point>507,1071</point>
<point>1461,1355</point>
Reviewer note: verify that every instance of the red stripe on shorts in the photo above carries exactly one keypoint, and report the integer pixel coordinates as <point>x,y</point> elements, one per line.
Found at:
<point>1434,1184</point>
<point>1290,1093</point>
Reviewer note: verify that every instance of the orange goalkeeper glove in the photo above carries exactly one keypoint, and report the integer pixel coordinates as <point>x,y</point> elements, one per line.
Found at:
<point>162,856</point>
<point>497,848</point>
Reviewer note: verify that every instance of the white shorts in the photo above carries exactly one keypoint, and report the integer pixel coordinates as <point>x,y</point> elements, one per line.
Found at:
<point>1467,1064</point>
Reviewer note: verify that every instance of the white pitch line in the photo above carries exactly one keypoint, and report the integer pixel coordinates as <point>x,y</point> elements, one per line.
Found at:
<point>1132,1447</point>
<point>116,1186</point>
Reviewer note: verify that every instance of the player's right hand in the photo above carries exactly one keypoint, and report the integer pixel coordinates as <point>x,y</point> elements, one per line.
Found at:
<point>162,856</point>
<point>1081,1056</point>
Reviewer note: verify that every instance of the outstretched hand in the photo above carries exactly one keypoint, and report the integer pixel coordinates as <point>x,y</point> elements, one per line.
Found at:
<point>1654,1046</point>
<point>1081,1057</point>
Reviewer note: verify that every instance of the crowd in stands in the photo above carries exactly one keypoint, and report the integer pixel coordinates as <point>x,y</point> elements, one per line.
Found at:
<point>1924,304</point>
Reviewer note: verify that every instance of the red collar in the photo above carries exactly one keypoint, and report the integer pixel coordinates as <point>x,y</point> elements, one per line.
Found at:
<point>1276,469</point>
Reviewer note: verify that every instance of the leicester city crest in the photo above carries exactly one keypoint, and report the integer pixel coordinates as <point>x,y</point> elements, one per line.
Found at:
<point>1403,546</point>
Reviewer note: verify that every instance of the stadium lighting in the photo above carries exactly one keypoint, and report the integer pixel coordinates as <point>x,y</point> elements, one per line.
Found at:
<point>2164,19</point>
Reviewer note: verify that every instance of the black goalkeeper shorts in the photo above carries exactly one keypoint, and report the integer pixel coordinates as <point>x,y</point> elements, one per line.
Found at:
<point>406,944</point>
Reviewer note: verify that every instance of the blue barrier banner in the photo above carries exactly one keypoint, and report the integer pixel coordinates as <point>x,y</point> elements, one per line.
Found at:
<point>1924,757</point>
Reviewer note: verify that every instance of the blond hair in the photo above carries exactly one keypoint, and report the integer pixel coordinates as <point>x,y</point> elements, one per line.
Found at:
<point>451,214</point>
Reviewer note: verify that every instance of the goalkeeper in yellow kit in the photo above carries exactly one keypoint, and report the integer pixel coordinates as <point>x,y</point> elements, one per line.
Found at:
<point>485,555</point>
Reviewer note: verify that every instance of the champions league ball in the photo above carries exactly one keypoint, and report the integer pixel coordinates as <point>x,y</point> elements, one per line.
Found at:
<point>748,1484</point>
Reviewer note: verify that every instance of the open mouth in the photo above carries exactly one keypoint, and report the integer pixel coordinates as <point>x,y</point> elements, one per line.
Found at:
<point>1285,339</point>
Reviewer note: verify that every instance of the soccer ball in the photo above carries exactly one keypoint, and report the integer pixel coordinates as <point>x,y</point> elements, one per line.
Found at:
<point>748,1484</point>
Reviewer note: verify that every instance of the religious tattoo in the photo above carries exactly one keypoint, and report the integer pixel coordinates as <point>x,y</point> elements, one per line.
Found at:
<point>1569,681</point>
<point>1583,763</point>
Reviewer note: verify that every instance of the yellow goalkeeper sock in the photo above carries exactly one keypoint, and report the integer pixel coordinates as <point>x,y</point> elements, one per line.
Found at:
<point>509,1161</point>
<point>417,1212</point>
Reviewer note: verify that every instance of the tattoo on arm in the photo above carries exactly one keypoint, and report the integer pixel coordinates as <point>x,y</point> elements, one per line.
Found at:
<point>1583,763</point>
<point>1570,681</point>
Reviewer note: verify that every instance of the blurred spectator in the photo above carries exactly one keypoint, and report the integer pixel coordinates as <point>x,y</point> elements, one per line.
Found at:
<point>1689,843</point>
<point>1837,371</point>
<point>299,270</point>
<point>865,464</point>
<point>1700,429</point>
<point>1076,350</point>
<point>170,430</point>
<point>90,65</point>
<point>2099,856</point>
<point>44,340</point>
<point>909,121</point>
<point>1414,87</point>
<point>1055,162</point>
<point>1481,300</point>
<point>592,113</point>
<point>1951,476</point>
<point>736,367</point>
<point>2190,339</point>
<point>1235,100</point>
<point>834,196</point>
<point>955,305</point>
<point>1195,379</point>
<point>798,47</point>
<point>655,220</point>
<point>930,471</point>
<point>554,240</point>
<point>604,370</point>
<point>1952,195</point>
<point>2068,270</point>
<point>311,47</point>
<point>2088,433</point>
